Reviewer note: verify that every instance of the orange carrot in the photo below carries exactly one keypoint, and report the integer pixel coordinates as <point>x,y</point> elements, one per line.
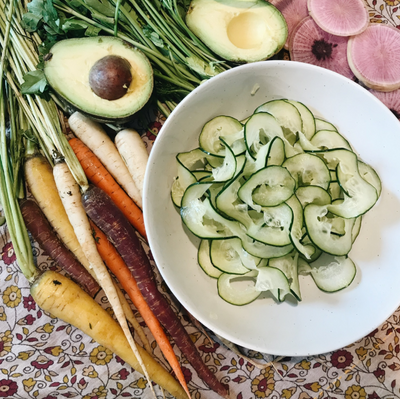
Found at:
<point>116,264</point>
<point>99,176</point>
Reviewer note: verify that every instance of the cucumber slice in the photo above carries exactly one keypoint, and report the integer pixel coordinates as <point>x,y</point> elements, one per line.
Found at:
<point>227,128</point>
<point>230,257</point>
<point>321,228</point>
<point>333,273</point>
<point>226,170</point>
<point>305,144</point>
<point>267,187</point>
<point>197,159</point>
<point>204,260</point>
<point>313,195</point>
<point>200,217</point>
<point>271,154</point>
<point>262,250</point>
<point>296,228</point>
<point>228,202</point>
<point>259,130</point>
<point>305,240</point>
<point>356,229</point>
<point>335,191</point>
<point>288,265</point>
<point>238,290</point>
<point>359,195</point>
<point>328,139</point>
<point>321,124</point>
<point>271,225</point>
<point>307,118</point>
<point>368,173</point>
<point>184,179</point>
<point>287,115</point>
<point>308,170</point>
<point>274,280</point>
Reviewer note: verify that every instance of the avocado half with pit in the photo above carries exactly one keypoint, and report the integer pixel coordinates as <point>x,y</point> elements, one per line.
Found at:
<point>238,30</point>
<point>104,77</point>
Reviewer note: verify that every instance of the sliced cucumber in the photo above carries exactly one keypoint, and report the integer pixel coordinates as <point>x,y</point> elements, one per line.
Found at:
<point>307,117</point>
<point>296,228</point>
<point>321,124</point>
<point>271,225</point>
<point>227,128</point>
<point>227,169</point>
<point>230,257</point>
<point>321,227</point>
<point>259,130</point>
<point>184,179</point>
<point>287,115</point>
<point>313,195</point>
<point>229,203</point>
<point>359,195</point>
<point>274,280</point>
<point>204,260</point>
<point>267,187</point>
<point>262,250</point>
<point>328,139</point>
<point>308,170</point>
<point>280,196</point>
<point>238,290</point>
<point>369,175</point>
<point>200,217</point>
<point>333,273</point>
<point>288,265</point>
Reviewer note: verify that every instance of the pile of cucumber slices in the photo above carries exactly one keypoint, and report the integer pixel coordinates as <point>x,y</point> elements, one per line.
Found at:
<point>278,195</point>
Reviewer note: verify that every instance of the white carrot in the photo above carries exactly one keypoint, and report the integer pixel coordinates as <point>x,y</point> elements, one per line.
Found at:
<point>134,153</point>
<point>70,196</point>
<point>94,136</point>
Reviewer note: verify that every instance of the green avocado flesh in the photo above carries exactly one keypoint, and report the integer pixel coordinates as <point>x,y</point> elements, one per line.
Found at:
<point>73,65</point>
<point>238,30</point>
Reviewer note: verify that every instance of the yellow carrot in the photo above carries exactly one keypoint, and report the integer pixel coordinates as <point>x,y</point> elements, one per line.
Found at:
<point>40,180</point>
<point>64,299</point>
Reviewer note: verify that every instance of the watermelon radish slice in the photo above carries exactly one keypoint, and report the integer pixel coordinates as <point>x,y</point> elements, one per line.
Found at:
<point>390,99</point>
<point>374,57</point>
<point>309,43</point>
<point>293,11</point>
<point>340,17</point>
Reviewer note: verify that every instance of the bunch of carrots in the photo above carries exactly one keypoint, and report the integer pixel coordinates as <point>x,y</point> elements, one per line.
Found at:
<point>82,204</point>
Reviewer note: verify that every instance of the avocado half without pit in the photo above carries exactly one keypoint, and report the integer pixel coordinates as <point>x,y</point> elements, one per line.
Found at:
<point>104,77</point>
<point>238,30</point>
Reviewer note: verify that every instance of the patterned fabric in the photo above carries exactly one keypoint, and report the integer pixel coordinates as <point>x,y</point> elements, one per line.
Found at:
<point>43,357</point>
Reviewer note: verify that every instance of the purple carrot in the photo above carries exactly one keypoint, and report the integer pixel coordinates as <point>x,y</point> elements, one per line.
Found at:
<point>101,209</point>
<point>42,232</point>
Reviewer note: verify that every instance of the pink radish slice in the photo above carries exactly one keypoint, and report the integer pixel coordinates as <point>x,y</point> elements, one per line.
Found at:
<point>293,11</point>
<point>340,17</point>
<point>374,57</point>
<point>390,99</point>
<point>310,44</point>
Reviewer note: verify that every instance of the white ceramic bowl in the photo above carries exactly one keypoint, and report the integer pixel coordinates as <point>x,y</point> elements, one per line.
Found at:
<point>320,322</point>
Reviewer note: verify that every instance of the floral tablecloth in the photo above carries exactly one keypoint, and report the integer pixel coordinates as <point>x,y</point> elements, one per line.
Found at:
<point>43,357</point>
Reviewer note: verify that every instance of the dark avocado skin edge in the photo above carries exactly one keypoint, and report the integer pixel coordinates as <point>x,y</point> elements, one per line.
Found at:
<point>70,108</point>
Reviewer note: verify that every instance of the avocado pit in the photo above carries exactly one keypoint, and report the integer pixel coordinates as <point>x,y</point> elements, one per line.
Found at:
<point>110,77</point>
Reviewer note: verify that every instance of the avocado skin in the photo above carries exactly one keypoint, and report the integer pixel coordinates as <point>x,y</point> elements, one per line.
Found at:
<point>137,96</point>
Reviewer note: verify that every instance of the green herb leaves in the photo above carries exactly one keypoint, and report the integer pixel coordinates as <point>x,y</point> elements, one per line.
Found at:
<point>34,83</point>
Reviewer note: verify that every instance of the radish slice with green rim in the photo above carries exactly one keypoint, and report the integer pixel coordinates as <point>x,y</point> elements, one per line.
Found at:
<point>340,17</point>
<point>293,11</point>
<point>390,99</point>
<point>374,57</point>
<point>310,44</point>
